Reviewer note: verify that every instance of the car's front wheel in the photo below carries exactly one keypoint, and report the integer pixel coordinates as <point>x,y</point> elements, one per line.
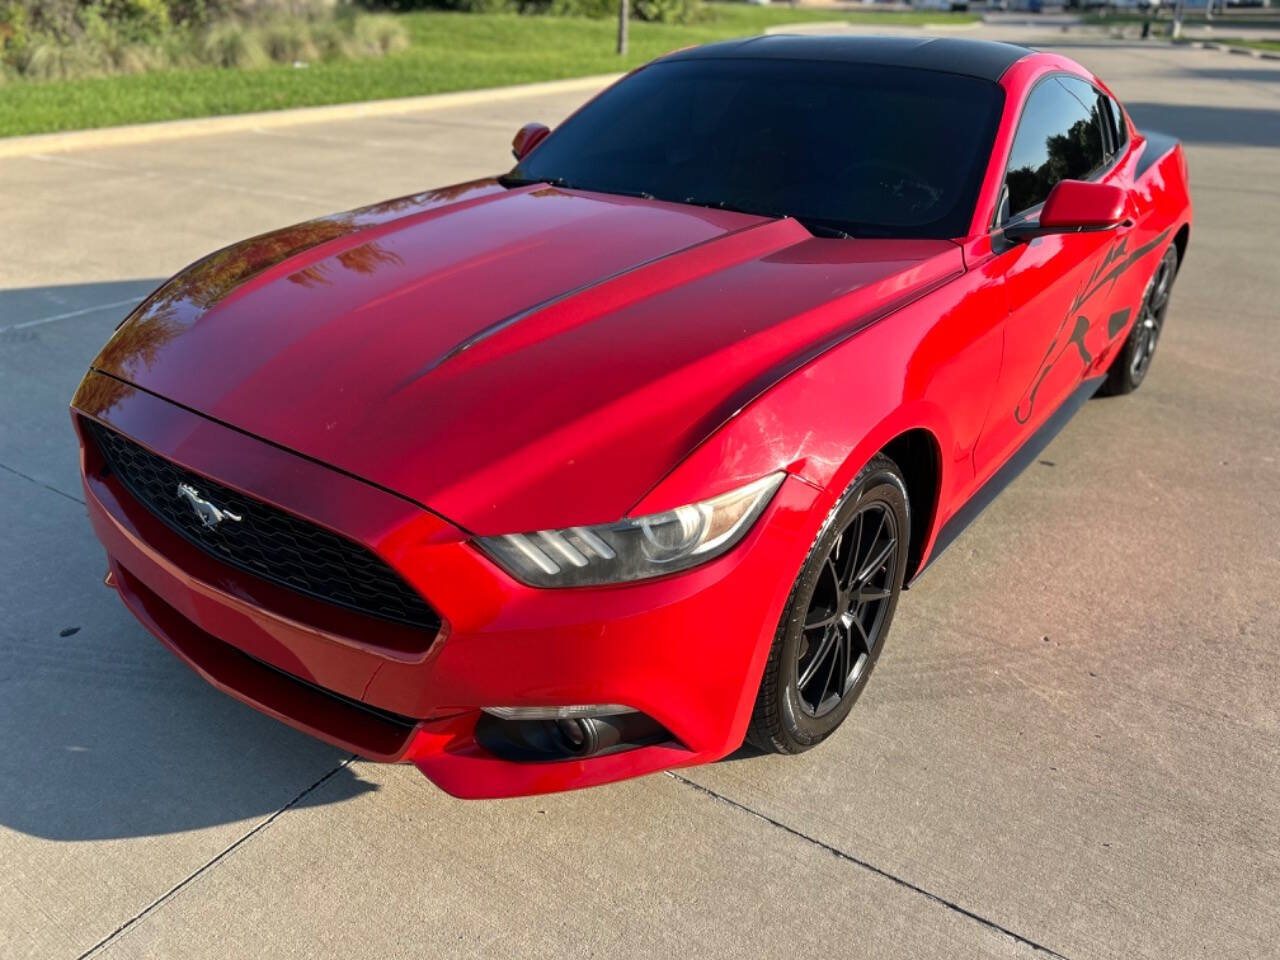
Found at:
<point>833,628</point>
<point>1130,366</point>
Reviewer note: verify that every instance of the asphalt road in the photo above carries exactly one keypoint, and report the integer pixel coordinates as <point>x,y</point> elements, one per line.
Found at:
<point>1070,747</point>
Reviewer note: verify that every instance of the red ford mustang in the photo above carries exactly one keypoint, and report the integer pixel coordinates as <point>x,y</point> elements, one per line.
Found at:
<point>604,465</point>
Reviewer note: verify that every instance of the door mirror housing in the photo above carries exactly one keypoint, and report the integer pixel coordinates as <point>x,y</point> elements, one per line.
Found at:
<point>528,137</point>
<point>1075,206</point>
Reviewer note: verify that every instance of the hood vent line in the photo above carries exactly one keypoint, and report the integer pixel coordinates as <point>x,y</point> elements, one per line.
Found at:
<point>507,322</point>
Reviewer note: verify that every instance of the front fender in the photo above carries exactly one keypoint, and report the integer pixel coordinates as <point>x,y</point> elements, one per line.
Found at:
<point>930,366</point>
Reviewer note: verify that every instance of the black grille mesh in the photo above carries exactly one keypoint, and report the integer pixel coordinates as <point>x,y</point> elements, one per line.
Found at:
<point>268,542</point>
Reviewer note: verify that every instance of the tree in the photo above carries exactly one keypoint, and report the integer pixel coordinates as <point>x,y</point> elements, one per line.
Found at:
<point>623,14</point>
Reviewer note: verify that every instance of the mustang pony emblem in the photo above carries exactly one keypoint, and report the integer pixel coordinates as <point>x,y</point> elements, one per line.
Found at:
<point>209,515</point>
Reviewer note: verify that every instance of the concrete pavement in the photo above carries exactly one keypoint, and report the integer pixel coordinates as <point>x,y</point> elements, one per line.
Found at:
<point>1069,748</point>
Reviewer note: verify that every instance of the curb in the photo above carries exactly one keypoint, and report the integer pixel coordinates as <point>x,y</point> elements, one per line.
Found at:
<point>812,26</point>
<point>821,26</point>
<point>952,27</point>
<point>137,133</point>
<point>1233,48</point>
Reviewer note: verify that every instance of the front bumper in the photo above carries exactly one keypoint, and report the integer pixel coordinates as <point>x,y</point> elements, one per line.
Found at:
<point>687,650</point>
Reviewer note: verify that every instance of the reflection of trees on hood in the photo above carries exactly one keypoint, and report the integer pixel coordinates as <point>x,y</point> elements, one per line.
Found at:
<point>426,200</point>
<point>180,303</point>
<point>365,259</point>
<point>209,280</point>
<point>185,298</point>
<point>1069,156</point>
<point>134,344</point>
<point>96,395</point>
<point>368,257</point>
<point>212,278</point>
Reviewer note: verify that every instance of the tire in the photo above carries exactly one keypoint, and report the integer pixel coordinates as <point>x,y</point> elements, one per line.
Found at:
<point>793,712</point>
<point>1131,364</point>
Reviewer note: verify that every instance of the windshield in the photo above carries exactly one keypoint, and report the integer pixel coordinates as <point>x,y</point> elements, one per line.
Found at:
<point>845,148</point>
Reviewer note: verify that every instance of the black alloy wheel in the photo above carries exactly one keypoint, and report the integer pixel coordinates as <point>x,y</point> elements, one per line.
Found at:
<point>1131,364</point>
<point>839,611</point>
<point>847,609</point>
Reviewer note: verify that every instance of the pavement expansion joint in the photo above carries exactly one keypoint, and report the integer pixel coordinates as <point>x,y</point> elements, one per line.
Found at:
<point>906,884</point>
<point>41,483</point>
<point>258,828</point>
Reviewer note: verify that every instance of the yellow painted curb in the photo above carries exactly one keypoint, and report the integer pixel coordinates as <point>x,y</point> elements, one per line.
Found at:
<point>205,126</point>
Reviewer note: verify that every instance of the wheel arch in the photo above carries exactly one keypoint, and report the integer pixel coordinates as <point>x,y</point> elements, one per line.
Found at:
<point>918,455</point>
<point>1180,241</point>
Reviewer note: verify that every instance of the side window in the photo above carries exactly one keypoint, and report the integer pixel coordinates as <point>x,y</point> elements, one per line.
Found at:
<point>1119,129</point>
<point>1059,138</point>
<point>1095,101</point>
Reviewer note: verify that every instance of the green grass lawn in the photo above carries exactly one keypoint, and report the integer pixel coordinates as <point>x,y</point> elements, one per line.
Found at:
<point>448,51</point>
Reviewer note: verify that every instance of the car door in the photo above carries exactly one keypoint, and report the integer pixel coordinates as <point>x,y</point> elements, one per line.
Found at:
<point>1116,296</point>
<point>1047,280</point>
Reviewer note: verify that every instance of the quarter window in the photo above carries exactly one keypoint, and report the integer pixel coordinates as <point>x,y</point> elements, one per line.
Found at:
<point>1096,102</point>
<point>1059,138</point>
<point>1119,129</point>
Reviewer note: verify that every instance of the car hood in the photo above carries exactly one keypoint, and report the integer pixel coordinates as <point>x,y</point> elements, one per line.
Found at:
<point>512,359</point>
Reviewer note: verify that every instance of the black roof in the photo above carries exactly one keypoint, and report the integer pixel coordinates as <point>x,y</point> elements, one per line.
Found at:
<point>985,59</point>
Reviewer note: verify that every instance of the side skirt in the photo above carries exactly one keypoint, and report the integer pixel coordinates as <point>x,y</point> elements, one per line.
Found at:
<point>1021,459</point>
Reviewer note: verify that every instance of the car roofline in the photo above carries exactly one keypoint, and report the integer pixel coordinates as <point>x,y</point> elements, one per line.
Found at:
<point>981,59</point>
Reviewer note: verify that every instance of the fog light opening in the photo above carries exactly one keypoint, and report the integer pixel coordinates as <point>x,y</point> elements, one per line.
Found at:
<point>580,710</point>
<point>578,736</point>
<point>539,734</point>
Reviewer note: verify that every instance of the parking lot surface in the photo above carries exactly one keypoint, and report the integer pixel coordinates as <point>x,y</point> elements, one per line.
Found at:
<point>1071,746</point>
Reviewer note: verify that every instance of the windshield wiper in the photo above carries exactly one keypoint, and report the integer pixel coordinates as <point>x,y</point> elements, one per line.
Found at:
<point>732,208</point>
<point>819,228</point>
<point>507,180</point>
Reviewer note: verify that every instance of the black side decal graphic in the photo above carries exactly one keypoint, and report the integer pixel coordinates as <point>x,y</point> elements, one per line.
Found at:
<point>1116,322</point>
<point>1105,274</point>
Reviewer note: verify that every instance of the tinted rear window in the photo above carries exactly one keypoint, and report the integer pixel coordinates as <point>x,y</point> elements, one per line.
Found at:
<point>877,151</point>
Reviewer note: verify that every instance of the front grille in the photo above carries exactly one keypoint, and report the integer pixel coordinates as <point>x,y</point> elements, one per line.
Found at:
<point>265,541</point>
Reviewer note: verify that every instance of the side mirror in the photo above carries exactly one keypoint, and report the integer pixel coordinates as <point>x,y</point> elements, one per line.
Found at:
<point>1074,206</point>
<point>528,137</point>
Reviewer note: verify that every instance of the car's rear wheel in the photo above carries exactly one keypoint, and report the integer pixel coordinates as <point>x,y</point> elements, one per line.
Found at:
<point>833,628</point>
<point>1130,366</point>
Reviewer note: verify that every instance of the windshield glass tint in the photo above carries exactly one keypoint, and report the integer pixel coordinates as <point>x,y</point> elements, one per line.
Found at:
<point>875,151</point>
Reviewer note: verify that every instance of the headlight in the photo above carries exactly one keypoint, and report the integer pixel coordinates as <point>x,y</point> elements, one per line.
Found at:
<point>635,548</point>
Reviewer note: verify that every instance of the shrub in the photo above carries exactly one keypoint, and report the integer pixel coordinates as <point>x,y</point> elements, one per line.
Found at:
<point>54,39</point>
<point>333,39</point>
<point>465,6</point>
<point>136,21</point>
<point>56,18</point>
<point>379,34</point>
<point>579,8</point>
<point>44,59</point>
<point>289,41</point>
<point>231,45</point>
<point>663,11</point>
<point>668,11</point>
